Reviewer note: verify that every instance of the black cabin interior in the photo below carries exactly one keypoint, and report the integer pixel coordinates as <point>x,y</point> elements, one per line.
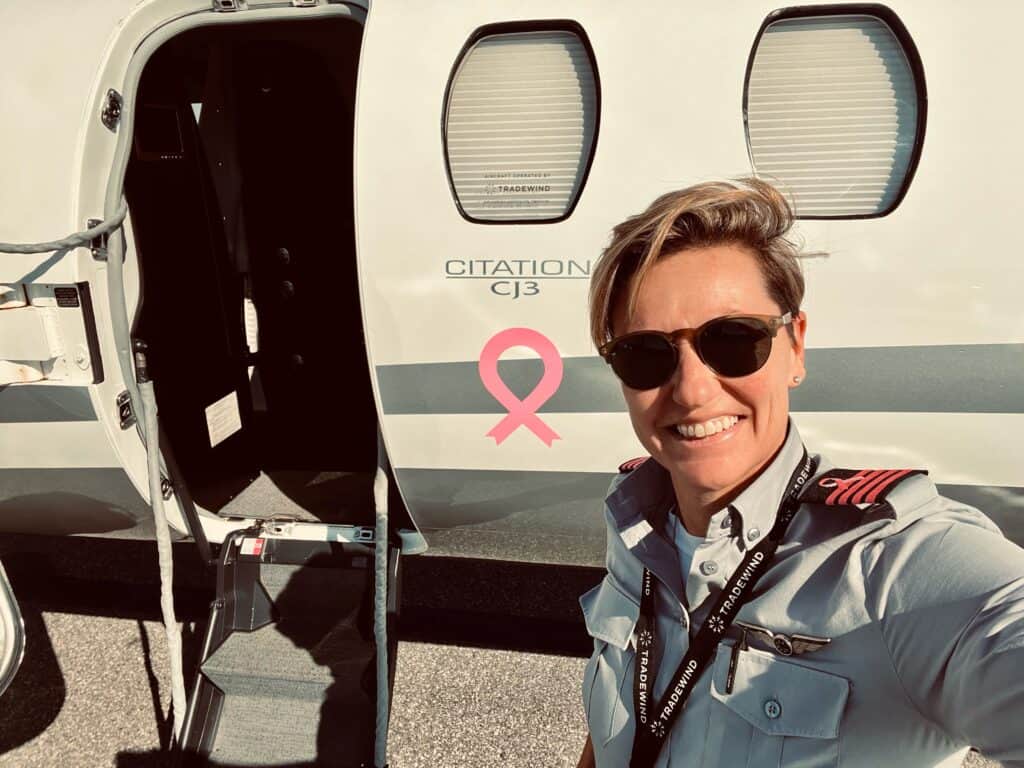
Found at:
<point>240,194</point>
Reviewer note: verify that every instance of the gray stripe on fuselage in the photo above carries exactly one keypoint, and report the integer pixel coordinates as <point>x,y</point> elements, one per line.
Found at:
<point>974,378</point>
<point>977,378</point>
<point>587,386</point>
<point>22,403</point>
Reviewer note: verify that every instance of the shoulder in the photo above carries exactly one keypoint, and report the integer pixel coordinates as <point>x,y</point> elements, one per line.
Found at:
<point>632,464</point>
<point>905,521</point>
<point>913,547</point>
<point>899,497</point>
<point>627,470</point>
<point>895,493</point>
<point>936,550</point>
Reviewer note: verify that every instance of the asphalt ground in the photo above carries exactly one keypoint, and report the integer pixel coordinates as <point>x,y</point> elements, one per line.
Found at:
<point>489,663</point>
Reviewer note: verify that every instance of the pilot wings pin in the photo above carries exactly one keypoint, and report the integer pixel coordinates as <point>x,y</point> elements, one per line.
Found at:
<point>784,645</point>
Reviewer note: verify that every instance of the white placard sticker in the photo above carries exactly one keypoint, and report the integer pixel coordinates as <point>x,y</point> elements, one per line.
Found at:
<point>223,419</point>
<point>252,325</point>
<point>252,546</point>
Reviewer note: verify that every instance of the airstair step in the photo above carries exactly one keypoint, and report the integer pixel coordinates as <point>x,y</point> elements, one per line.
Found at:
<point>289,676</point>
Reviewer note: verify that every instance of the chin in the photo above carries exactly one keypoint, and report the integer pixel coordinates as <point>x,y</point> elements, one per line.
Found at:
<point>716,464</point>
<point>708,469</point>
<point>709,479</point>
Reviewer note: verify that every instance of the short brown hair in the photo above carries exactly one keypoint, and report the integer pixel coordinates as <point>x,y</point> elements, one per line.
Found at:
<point>748,212</point>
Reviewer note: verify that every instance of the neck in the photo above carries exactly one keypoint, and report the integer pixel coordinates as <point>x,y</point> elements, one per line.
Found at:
<point>695,509</point>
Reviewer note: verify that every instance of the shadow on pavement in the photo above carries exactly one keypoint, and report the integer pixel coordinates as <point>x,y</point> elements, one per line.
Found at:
<point>163,759</point>
<point>37,693</point>
<point>494,604</point>
<point>152,759</point>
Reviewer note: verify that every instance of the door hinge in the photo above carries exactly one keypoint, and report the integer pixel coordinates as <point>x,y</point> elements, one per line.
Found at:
<point>166,488</point>
<point>99,243</point>
<point>124,410</point>
<point>111,114</point>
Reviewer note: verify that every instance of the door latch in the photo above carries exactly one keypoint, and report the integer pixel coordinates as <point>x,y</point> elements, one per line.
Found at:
<point>125,410</point>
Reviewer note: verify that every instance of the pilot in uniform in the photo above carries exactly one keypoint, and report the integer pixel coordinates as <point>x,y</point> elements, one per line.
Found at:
<point>882,634</point>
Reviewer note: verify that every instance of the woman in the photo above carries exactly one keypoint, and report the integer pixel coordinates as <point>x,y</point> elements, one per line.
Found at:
<point>762,608</point>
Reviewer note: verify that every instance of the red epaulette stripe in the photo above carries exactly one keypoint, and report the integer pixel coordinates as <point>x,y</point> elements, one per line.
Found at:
<point>861,482</point>
<point>866,486</point>
<point>629,466</point>
<point>879,479</point>
<point>885,485</point>
<point>846,488</point>
<point>839,487</point>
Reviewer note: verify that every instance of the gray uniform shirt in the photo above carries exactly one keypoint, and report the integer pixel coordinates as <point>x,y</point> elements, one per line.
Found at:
<point>922,598</point>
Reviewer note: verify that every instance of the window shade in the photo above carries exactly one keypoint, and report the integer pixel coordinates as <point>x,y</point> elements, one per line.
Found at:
<point>520,124</point>
<point>832,114</point>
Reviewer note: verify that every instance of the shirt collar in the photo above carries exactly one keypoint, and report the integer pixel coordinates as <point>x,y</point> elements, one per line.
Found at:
<point>758,503</point>
<point>641,500</point>
<point>638,506</point>
<point>644,494</point>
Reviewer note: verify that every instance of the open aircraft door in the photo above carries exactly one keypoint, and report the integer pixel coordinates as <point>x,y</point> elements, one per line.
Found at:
<point>496,146</point>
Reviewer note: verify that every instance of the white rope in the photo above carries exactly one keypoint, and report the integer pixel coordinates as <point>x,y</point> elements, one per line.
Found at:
<point>71,241</point>
<point>380,602</point>
<point>163,545</point>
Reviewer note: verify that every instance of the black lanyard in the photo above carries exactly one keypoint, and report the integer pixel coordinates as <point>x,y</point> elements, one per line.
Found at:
<point>654,723</point>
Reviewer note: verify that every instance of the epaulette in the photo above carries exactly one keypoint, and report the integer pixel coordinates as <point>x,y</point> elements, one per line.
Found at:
<point>839,487</point>
<point>629,466</point>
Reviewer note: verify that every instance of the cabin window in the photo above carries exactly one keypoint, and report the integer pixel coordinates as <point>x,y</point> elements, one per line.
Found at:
<point>835,111</point>
<point>520,122</point>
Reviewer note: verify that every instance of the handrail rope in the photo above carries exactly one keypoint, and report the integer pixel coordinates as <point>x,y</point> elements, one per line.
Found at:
<point>71,241</point>
<point>380,602</point>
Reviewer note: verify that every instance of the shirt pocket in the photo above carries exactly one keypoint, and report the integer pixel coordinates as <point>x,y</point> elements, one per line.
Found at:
<point>777,713</point>
<point>611,618</point>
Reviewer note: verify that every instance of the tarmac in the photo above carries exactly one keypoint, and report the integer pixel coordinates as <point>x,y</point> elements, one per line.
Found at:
<point>488,669</point>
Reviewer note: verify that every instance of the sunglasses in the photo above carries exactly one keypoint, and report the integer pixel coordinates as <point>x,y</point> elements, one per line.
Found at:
<point>731,346</point>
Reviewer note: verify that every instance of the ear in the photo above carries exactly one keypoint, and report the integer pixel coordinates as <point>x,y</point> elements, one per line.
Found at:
<point>796,360</point>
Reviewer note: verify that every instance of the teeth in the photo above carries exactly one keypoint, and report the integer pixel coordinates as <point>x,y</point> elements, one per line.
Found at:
<point>708,428</point>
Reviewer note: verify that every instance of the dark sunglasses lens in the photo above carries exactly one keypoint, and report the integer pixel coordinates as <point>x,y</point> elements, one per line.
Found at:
<point>644,361</point>
<point>735,347</point>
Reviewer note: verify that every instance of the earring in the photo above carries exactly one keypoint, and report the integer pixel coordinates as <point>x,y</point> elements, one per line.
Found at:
<point>797,379</point>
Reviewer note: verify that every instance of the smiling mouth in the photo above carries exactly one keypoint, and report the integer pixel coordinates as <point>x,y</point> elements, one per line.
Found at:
<point>705,429</point>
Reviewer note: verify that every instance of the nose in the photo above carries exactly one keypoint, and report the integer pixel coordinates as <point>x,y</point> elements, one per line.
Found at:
<point>693,383</point>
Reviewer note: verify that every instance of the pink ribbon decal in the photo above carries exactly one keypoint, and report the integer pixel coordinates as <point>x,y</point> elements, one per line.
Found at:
<point>521,412</point>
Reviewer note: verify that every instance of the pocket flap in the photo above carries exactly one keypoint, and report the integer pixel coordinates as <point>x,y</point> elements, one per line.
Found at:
<point>610,614</point>
<point>779,697</point>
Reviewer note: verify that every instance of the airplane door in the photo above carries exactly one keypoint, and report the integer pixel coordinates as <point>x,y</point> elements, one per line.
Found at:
<point>496,145</point>
<point>12,633</point>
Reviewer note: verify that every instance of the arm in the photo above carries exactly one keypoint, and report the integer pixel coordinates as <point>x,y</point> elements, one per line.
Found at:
<point>950,606</point>
<point>587,758</point>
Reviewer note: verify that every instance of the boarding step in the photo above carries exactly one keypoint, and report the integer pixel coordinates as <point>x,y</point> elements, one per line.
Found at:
<point>288,670</point>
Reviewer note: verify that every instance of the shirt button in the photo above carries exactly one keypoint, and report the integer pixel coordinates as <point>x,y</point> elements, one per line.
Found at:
<point>772,709</point>
<point>753,533</point>
<point>709,567</point>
